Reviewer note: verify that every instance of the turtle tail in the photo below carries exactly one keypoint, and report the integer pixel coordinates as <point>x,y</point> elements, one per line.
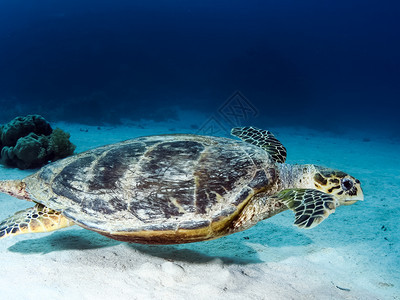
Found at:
<point>15,188</point>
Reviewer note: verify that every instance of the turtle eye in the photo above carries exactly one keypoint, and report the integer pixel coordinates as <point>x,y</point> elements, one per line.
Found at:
<point>347,184</point>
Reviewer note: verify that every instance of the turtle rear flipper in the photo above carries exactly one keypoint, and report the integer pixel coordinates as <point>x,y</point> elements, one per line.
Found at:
<point>263,139</point>
<point>310,206</point>
<point>32,220</point>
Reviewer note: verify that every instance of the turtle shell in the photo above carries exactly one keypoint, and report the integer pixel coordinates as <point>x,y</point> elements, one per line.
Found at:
<point>156,189</point>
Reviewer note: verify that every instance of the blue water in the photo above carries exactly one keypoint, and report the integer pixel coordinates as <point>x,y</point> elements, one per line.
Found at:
<point>331,65</point>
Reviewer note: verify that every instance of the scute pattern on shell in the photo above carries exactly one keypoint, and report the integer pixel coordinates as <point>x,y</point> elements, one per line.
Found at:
<point>165,182</point>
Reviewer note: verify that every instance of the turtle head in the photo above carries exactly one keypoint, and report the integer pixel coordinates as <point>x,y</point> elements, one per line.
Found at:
<point>341,185</point>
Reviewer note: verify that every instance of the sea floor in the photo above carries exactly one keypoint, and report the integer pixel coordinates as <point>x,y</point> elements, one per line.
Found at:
<point>354,254</point>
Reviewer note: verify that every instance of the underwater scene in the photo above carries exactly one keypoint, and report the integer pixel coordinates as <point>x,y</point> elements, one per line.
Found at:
<point>200,149</point>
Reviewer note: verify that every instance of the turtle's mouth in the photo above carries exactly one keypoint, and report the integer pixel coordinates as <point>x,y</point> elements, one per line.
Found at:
<point>349,202</point>
<point>353,199</point>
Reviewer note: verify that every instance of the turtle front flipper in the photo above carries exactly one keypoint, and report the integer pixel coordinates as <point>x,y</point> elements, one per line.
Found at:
<point>32,220</point>
<point>263,139</point>
<point>310,206</point>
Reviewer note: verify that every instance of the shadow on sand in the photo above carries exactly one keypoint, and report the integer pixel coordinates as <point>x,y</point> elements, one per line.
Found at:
<point>240,248</point>
<point>65,240</point>
<point>234,249</point>
<point>201,252</point>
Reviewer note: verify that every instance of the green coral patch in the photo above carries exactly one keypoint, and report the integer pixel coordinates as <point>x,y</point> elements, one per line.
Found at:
<point>30,142</point>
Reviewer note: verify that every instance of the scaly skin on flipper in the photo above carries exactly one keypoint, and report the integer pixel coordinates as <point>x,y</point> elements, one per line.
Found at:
<point>34,219</point>
<point>311,207</point>
<point>263,139</point>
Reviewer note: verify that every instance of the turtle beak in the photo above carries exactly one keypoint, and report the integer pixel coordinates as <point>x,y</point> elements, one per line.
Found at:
<point>358,197</point>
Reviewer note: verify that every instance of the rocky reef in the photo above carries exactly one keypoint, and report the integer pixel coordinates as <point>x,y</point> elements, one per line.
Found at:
<point>30,142</point>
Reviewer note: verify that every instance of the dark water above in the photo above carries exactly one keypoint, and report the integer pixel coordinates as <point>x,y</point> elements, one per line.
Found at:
<point>323,64</point>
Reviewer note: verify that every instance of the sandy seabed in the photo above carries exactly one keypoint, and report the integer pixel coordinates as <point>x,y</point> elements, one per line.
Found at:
<point>354,254</point>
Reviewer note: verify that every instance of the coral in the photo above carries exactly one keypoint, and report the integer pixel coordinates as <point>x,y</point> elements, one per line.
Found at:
<point>30,142</point>
<point>29,152</point>
<point>22,126</point>
<point>60,145</point>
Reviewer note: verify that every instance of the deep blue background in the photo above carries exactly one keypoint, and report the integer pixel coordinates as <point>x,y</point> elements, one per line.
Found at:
<point>324,64</point>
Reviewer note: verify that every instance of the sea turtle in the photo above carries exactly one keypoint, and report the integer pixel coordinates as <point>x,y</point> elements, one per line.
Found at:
<point>177,188</point>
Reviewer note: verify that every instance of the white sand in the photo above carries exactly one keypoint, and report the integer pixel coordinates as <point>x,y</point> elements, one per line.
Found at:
<point>354,254</point>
